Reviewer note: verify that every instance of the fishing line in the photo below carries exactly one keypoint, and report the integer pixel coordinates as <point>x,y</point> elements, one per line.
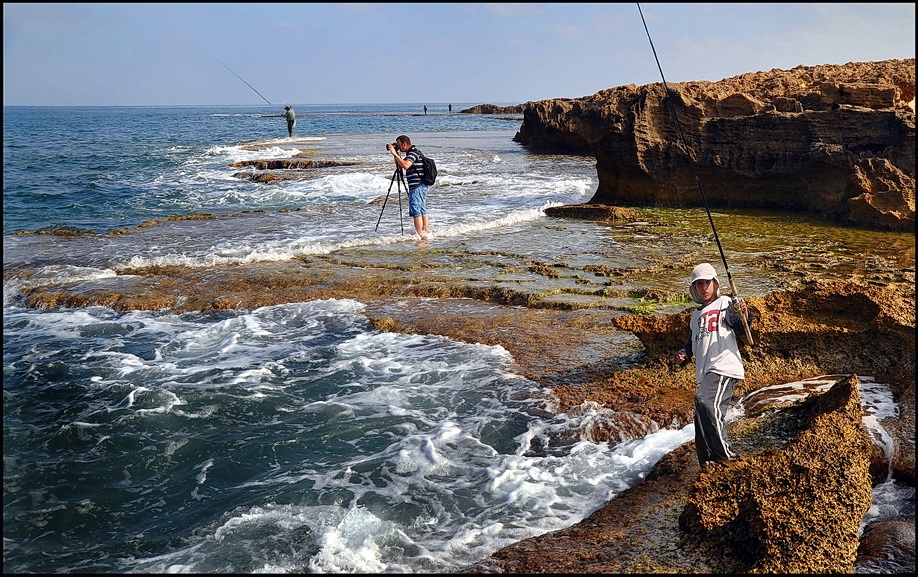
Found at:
<point>247,84</point>
<point>704,201</point>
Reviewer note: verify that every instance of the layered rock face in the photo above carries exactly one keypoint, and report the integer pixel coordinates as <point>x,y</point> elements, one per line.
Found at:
<point>837,141</point>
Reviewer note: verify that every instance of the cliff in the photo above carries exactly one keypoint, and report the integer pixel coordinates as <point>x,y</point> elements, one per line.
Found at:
<point>837,141</point>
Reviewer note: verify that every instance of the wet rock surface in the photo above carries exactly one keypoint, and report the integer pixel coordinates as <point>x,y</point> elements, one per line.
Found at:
<point>604,333</point>
<point>679,519</point>
<point>888,547</point>
<point>273,170</point>
<point>773,509</point>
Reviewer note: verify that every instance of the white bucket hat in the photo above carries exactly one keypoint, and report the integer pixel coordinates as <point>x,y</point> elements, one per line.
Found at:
<point>704,271</point>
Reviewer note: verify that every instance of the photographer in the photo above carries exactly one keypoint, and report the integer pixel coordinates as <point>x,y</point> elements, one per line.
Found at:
<point>417,190</point>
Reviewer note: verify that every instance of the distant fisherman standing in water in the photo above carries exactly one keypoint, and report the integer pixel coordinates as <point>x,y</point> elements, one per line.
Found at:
<point>290,115</point>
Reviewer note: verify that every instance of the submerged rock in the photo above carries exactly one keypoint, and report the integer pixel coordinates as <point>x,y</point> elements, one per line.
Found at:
<point>293,169</point>
<point>290,164</point>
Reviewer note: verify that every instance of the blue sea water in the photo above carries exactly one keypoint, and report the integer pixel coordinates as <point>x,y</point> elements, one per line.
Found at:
<point>296,437</point>
<point>106,167</point>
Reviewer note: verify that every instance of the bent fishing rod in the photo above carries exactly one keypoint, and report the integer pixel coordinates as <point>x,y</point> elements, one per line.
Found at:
<point>247,84</point>
<point>704,201</point>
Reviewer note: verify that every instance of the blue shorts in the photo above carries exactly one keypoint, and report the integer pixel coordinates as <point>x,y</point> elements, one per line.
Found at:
<point>417,200</point>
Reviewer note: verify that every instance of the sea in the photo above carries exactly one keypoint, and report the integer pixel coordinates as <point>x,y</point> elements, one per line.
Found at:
<point>298,438</point>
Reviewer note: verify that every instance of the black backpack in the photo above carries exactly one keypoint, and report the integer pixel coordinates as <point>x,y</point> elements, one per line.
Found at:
<point>430,169</point>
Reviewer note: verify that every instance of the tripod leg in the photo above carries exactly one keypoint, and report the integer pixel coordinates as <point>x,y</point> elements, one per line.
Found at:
<point>391,182</point>
<point>403,182</point>
<point>400,180</point>
<point>381,211</point>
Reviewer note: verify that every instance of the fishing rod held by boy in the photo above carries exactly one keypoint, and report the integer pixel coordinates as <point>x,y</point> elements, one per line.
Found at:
<point>704,201</point>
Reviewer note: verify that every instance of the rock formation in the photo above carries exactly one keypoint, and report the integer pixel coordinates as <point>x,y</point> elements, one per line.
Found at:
<point>774,510</point>
<point>289,169</point>
<point>493,109</point>
<point>793,499</point>
<point>837,141</point>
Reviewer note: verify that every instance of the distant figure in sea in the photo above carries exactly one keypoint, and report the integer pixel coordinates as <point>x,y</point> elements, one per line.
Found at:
<point>425,110</point>
<point>450,107</point>
<point>413,166</point>
<point>718,365</point>
<point>290,115</point>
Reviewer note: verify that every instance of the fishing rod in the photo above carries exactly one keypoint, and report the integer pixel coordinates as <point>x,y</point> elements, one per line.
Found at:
<point>247,84</point>
<point>704,201</point>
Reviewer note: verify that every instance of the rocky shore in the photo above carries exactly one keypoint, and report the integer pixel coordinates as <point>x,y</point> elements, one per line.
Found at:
<point>794,498</point>
<point>798,466</point>
<point>775,139</point>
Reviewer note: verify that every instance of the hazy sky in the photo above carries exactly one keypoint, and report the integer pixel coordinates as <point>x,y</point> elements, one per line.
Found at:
<point>167,54</point>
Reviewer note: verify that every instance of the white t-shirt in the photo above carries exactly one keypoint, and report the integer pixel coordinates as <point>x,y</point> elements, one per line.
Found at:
<point>713,341</point>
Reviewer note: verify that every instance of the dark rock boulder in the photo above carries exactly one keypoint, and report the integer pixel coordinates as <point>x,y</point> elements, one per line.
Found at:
<point>837,141</point>
<point>493,109</point>
<point>292,169</point>
<point>782,510</point>
<point>290,164</point>
<point>888,547</point>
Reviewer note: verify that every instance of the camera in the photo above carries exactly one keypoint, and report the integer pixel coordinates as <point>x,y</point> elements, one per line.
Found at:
<point>393,145</point>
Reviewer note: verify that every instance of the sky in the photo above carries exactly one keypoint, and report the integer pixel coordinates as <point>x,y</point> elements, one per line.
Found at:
<point>189,54</point>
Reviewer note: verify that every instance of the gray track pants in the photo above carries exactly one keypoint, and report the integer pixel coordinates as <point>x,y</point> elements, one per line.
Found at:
<point>712,397</point>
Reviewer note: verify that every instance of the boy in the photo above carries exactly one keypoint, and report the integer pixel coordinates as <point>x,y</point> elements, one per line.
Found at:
<point>718,366</point>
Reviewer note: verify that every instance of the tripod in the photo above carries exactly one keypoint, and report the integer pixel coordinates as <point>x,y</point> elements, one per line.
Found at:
<point>400,177</point>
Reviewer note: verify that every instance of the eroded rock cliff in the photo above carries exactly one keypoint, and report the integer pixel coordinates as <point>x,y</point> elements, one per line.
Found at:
<point>837,141</point>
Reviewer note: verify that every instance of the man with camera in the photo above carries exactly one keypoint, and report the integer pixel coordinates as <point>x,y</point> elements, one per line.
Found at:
<point>417,190</point>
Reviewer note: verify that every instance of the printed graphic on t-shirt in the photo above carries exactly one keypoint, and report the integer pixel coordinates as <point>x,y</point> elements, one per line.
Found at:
<point>707,323</point>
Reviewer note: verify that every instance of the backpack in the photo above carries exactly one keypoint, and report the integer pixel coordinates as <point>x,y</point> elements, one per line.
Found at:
<point>430,169</point>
